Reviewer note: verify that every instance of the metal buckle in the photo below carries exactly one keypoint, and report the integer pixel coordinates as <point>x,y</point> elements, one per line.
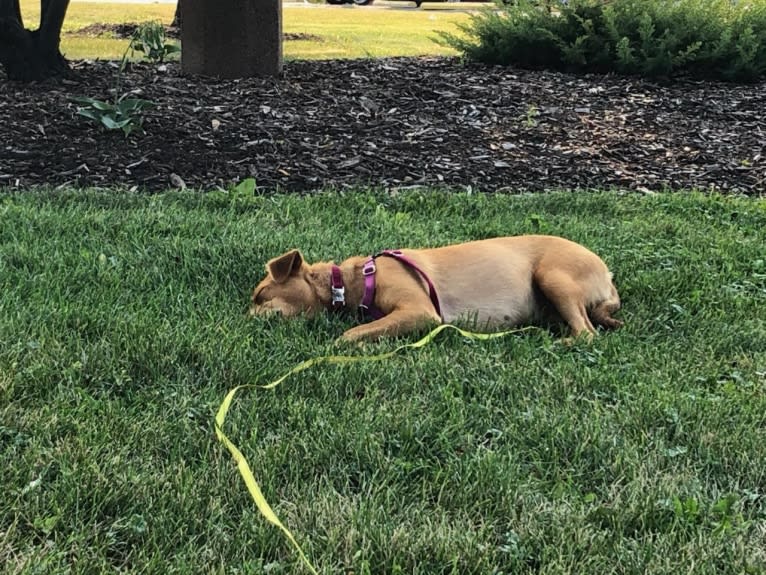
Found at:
<point>338,295</point>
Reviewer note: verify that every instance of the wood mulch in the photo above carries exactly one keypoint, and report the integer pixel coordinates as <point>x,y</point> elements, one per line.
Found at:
<point>392,123</point>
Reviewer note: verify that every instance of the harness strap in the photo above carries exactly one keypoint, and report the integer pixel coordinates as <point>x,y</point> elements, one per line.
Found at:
<point>368,299</point>
<point>369,270</point>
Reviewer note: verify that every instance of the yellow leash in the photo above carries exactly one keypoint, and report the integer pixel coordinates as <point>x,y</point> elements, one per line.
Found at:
<point>242,464</point>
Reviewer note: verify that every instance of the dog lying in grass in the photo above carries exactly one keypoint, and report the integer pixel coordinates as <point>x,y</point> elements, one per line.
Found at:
<point>493,283</point>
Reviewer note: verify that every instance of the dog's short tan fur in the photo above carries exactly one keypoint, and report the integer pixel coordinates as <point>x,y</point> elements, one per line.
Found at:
<point>495,283</point>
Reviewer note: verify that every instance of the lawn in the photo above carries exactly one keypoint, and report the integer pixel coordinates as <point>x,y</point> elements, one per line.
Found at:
<point>335,32</point>
<point>122,328</point>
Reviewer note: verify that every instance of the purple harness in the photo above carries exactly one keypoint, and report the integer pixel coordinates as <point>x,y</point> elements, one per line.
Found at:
<point>369,269</point>
<point>367,305</point>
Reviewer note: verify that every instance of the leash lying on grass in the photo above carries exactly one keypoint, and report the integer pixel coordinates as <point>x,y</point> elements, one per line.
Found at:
<point>242,464</point>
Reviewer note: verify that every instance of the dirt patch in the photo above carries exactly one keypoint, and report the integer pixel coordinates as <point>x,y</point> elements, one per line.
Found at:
<point>394,123</point>
<point>126,31</point>
<point>301,37</point>
<point>121,31</point>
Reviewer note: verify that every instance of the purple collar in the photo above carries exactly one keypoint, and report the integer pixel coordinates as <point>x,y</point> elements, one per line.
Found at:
<point>369,270</point>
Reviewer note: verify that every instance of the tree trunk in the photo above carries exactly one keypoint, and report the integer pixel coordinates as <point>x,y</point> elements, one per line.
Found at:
<point>232,38</point>
<point>30,55</point>
<point>178,17</point>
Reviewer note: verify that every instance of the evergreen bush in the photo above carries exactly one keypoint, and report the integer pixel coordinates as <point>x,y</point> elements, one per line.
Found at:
<point>717,39</point>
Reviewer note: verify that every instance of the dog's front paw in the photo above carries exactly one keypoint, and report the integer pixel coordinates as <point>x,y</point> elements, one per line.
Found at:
<point>356,334</point>
<point>350,341</point>
<point>583,338</point>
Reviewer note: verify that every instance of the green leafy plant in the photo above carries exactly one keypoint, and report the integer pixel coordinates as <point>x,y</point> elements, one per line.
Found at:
<point>530,119</point>
<point>123,114</point>
<point>150,40</point>
<point>727,515</point>
<point>245,188</point>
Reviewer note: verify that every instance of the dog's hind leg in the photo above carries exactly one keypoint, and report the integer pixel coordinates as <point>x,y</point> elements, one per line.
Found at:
<point>567,297</point>
<point>602,314</point>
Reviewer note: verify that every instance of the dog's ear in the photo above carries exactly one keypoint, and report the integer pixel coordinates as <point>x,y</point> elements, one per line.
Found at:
<point>284,266</point>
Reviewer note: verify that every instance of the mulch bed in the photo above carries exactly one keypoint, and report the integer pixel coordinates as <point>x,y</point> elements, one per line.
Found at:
<point>393,123</point>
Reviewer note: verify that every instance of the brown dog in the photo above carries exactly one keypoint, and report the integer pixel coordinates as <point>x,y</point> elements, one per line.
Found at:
<point>495,282</point>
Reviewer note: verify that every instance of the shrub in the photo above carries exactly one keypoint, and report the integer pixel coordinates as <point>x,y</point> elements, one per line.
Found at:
<point>722,39</point>
<point>149,39</point>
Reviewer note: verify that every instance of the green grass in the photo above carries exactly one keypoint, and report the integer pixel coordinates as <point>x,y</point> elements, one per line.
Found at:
<point>350,32</point>
<point>122,327</point>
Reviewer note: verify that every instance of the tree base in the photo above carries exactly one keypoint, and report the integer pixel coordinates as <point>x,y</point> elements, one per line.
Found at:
<point>25,59</point>
<point>232,38</point>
